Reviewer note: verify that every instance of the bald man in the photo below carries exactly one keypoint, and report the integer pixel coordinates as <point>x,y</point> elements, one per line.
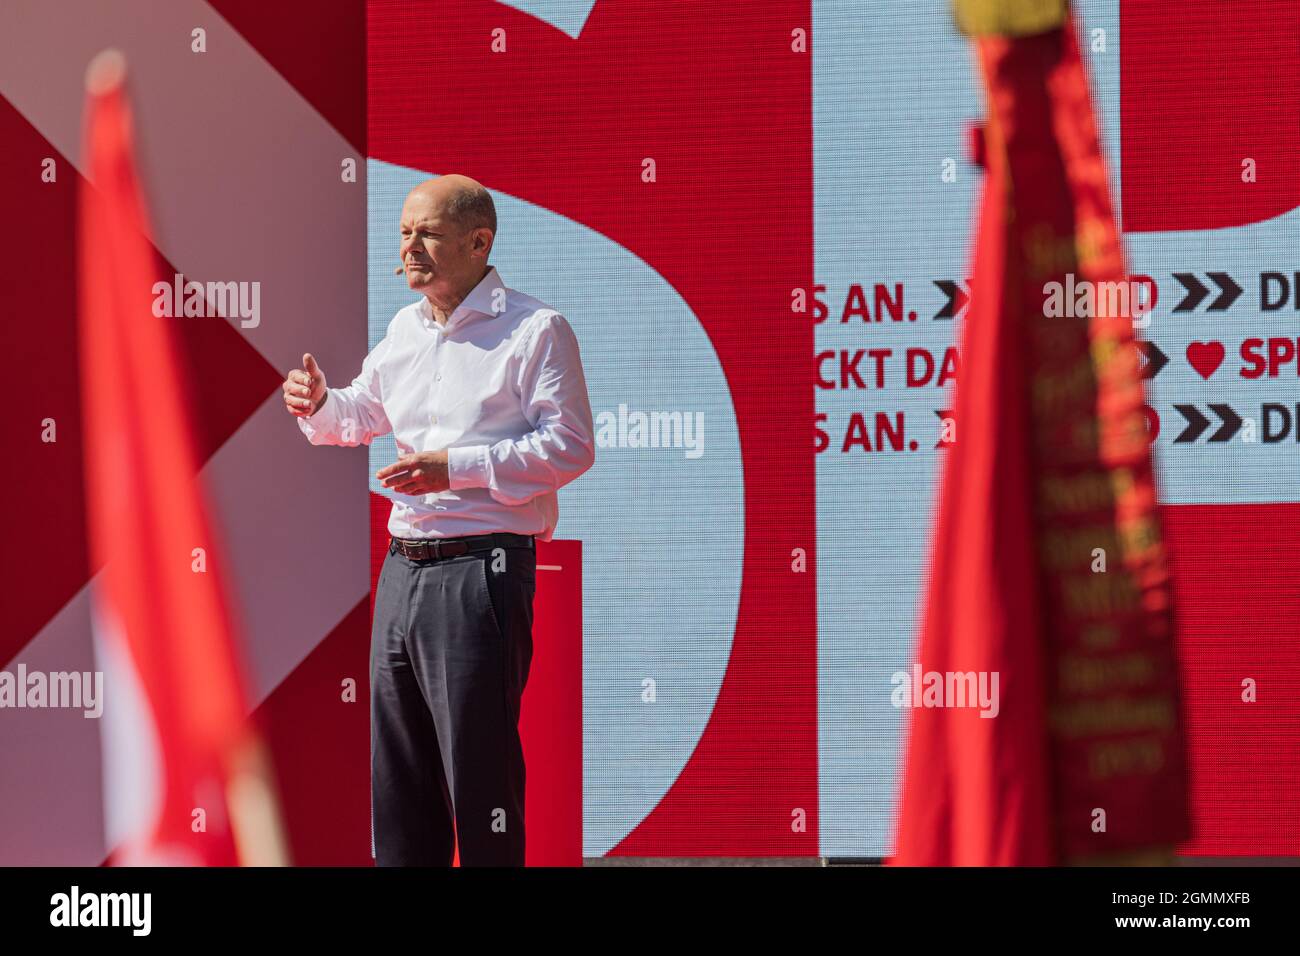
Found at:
<point>483,390</point>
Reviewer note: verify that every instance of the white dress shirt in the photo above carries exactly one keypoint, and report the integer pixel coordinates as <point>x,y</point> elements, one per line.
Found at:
<point>500,386</point>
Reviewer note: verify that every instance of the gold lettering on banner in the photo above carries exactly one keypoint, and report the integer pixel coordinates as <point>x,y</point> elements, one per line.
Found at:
<point>1139,537</point>
<point>1047,252</point>
<point>1100,636</point>
<point>1063,548</point>
<point>1087,675</point>
<point>1103,581</point>
<point>1097,245</point>
<point>1122,758</point>
<point>1072,385</point>
<point>1089,491</point>
<point>1088,717</point>
<point>1100,595</point>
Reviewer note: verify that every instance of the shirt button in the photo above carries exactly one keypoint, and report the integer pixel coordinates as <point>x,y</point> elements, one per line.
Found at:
<point>437,378</point>
<point>433,419</point>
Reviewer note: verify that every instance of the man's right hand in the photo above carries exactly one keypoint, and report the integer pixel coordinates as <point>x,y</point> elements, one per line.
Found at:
<point>304,388</point>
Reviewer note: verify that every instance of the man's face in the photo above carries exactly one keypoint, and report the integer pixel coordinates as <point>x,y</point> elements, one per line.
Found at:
<point>437,254</point>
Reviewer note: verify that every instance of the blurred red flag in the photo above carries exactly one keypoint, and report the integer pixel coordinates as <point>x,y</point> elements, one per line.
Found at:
<point>1048,578</point>
<point>184,776</point>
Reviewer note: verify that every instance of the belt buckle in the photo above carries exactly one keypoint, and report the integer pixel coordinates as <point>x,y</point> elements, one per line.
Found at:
<point>432,548</point>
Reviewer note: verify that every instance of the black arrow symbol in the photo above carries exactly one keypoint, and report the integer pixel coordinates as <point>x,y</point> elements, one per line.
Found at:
<point>957,298</point>
<point>1196,423</point>
<point>1231,422</point>
<point>1155,359</point>
<point>1196,292</point>
<point>1228,291</point>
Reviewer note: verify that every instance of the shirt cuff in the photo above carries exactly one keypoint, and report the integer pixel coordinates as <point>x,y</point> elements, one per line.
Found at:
<point>467,467</point>
<point>323,422</point>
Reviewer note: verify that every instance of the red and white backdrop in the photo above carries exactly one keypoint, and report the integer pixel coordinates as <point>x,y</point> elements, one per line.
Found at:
<point>736,580</point>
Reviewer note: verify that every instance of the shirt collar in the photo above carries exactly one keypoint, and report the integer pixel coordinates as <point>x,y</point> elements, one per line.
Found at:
<point>478,302</point>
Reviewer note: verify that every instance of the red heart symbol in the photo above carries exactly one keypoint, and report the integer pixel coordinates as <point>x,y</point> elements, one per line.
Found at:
<point>1205,357</point>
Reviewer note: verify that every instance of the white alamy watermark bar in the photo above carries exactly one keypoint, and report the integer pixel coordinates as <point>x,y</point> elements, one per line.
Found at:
<point>973,689</point>
<point>83,690</point>
<point>131,911</point>
<point>1082,299</point>
<point>242,300</point>
<point>651,429</point>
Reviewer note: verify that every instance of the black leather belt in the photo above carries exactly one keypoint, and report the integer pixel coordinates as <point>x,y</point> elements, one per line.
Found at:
<point>434,549</point>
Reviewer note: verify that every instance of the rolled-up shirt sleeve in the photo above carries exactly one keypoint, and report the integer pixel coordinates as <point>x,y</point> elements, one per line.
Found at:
<point>561,445</point>
<point>353,415</point>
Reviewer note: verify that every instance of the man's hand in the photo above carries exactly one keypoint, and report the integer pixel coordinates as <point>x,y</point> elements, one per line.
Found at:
<point>304,388</point>
<point>422,473</point>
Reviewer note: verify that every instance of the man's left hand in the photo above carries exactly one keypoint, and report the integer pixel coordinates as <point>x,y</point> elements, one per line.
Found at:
<point>426,473</point>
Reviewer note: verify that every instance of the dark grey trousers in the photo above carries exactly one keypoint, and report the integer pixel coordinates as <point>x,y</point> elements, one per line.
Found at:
<point>450,652</point>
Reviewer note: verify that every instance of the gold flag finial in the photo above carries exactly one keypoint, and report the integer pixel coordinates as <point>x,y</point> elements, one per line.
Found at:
<point>1008,18</point>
